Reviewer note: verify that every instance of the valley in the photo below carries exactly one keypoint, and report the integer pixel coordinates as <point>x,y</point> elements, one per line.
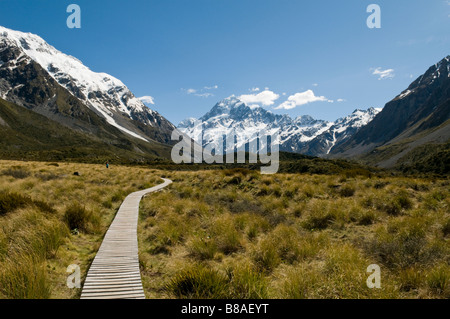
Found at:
<point>230,233</point>
<point>369,190</point>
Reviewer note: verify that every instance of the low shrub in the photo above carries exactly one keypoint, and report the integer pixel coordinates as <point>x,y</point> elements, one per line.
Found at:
<point>283,245</point>
<point>16,172</point>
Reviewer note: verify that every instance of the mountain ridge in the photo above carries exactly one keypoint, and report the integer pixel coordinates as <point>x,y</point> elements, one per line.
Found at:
<point>417,116</point>
<point>303,134</point>
<point>102,93</point>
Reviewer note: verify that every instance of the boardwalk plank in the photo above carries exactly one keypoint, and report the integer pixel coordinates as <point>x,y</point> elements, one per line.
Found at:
<point>115,273</point>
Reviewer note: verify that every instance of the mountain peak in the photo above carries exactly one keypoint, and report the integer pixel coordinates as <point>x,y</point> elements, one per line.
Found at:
<point>304,134</point>
<point>69,72</point>
<point>102,93</point>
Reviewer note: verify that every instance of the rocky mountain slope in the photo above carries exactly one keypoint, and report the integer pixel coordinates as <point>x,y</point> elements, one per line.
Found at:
<point>40,78</point>
<point>418,117</point>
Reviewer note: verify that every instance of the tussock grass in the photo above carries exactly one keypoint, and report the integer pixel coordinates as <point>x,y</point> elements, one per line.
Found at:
<point>77,217</point>
<point>295,236</point>
<point>17,172</point>
<point>198,282</point>
<point>37,214</point>
<point>240,281</point>
<point>438,280</point>
<point>24,279</point>
<point>404,242</point>
<point>229,233</point>
<point>12,201</point>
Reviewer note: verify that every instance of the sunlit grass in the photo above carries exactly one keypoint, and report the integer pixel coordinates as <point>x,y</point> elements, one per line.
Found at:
<point>51,218</point>
<point>228,234</point>
<point>295,236</point>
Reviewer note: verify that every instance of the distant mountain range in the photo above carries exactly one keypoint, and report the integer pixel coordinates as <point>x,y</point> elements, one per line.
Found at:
<point>36,76</point>
<point>303,134</point>
<point>410,133</point>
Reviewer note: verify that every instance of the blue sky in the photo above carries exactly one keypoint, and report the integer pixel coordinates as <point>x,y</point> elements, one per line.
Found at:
<point>190,54</point>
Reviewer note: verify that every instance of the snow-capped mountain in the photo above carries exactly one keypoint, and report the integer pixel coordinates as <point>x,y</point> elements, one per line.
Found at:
<point>100,92</point>
<point>342,130</point>
<point>300,135</point>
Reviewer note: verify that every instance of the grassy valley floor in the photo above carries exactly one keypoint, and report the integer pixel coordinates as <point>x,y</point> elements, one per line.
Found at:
<point>237,234</point>
<point>228,233</point>
<point>51,218</point>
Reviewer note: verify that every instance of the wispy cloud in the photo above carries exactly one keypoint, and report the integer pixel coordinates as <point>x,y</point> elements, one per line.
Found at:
<point>202,92</point>
<point>254,89</point>
<point>147,99</point>
<point>205,95</point>
<point>191,91</point>
<point>300,99</point>
<point>265,98</point>
<point>383,74</point>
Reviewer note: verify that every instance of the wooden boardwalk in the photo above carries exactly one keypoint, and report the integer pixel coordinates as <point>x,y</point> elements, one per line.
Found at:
<point>114,273</point>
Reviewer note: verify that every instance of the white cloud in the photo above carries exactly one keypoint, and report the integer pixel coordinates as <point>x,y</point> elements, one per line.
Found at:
<point>315,84</point>
<point>266,98</point>
<point>383,74</point>
<point>255,89</point>
<point>201,93</point>
<point>340,100</point>
<point>147,99</point>
<point>302,98</point>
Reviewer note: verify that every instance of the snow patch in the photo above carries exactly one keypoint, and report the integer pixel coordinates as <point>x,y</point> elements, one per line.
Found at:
<point>101,91</point>
<point>403,95</point>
